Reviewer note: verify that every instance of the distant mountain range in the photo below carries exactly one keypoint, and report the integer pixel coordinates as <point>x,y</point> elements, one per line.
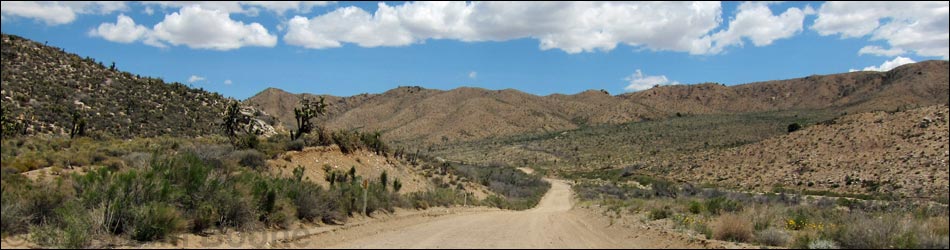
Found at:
<point>426,116</point>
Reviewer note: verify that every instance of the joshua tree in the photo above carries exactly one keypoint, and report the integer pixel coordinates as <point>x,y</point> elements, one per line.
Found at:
<point>79,126</point>
<point>232,120</point>
<point>304,114</point>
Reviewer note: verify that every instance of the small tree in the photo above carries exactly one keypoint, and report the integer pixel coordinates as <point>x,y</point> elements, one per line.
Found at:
<point>384,179</point>
<point>79,126</point>
<point>232,119</point>
<point>308,110</point>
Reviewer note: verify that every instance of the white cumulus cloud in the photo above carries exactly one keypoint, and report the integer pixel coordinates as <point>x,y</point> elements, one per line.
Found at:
<point>573,27</point>
<point>920,27</point>
<point>57,12</point>
<point>201,28</point>
<point>878,51</point>
<point>195,78</point>
<point>638,81</point>
<point>756,22</point>
<point>227,82</point>
<point>123,31</point>
<point>192,26</point>
<point>472,75</point>
<point>250,8</point>
<point>888,65</point>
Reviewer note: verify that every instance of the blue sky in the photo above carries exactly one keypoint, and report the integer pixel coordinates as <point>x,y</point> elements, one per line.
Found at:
<point>344,48</point>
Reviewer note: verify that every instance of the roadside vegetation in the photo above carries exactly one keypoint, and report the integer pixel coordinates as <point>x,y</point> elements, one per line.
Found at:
<point>151,189</point>
<point>772,219</point>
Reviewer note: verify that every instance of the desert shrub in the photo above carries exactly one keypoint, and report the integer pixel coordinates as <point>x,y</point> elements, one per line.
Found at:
<point>155,221</point>
<point>210,152</point>
<point>202,218</point>
<point>772,237</point>
<point>296,145</point>
<point>314,204</point>
<point>42,202</point>
<point>282,214</point>
<point>14,217</point>
<point>721,204</point>
<point>444,197</point>
<point>137,159</point>
<point>822,244</point>
<point>863,232</point>
<point>731,227</point>
<point>348,141</point>
<point>235,209</point>
<point>662,188</point>
<point>76,225</point>
<point>114,163</point>
<point>695,207</point>
<point>660,213</point>
<point>46,235</point>
<point>519,190</point>
<point>319,137</point>
<point>373,141</point>
<point>763,217</point>
<point>247,141</point>
<point>29,161</point>
<point>71,229</point>
<point>249,158</point>
<point>794,127</point>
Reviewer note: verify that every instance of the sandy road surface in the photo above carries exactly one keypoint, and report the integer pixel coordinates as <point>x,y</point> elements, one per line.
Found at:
<point>549,225</point>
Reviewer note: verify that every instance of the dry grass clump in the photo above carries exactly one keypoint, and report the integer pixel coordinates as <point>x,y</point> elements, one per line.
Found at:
<point>734,228</point>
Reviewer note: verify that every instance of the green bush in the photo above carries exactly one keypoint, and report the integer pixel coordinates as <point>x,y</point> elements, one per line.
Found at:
<point>77,226</point>
<point>248,141</point>
<point>660,213</point>
<point>348,141</point>
<point>249,158</point>
<point>155,221</point>
<point>296,145</point>
<point>718,205</point>
<point>14,218</point>
<point>314,204</point>
<point>42,202</point>
<point>71,228</point>
<point>695,207</point>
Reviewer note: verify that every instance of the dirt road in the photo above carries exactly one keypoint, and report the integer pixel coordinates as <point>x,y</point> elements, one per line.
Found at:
<point>549,225</point>
<point>546,226</point>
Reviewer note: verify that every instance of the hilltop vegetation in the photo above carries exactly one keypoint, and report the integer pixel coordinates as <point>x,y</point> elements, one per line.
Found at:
<point>47,90</point>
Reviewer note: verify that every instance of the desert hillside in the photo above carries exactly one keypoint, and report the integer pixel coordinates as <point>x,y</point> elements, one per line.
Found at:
<point>418,116</point>
<point>45,87</point>
<point>917,84</point>
<point>903,153</point>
